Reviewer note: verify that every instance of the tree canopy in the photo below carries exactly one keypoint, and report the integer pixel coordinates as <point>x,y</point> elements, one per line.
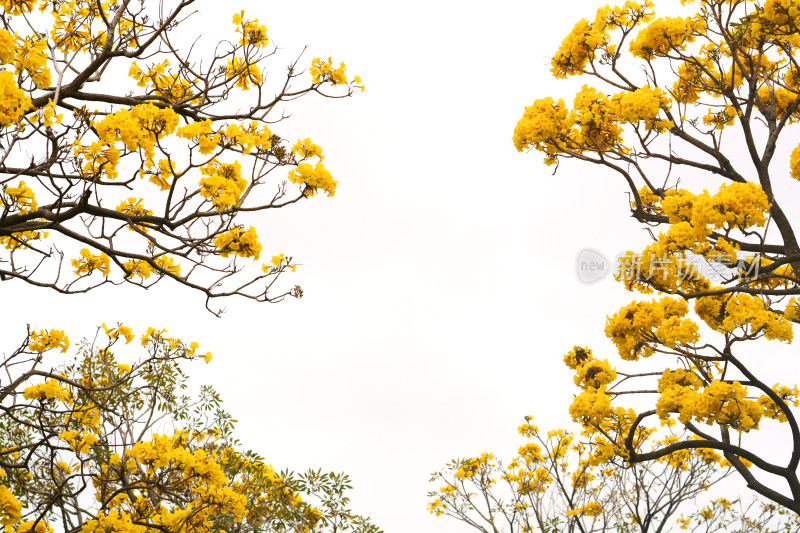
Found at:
<point>100,438</point>
<point>130,156</point>
<point>695,113</point>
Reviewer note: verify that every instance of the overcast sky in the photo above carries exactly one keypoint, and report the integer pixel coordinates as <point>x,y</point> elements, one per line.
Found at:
<point>439,281</point>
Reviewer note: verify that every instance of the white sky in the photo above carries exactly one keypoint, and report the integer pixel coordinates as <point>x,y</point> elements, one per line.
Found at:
<point>439,281</point>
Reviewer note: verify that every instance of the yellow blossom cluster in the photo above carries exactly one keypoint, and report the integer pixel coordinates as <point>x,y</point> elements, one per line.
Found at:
<point>17,7</point>
<point>722,118</point>
<point>163,83</point>
<point>10,507</point>
<point>14,102</point>
<point>223,184</point>
<point>789,395</point>
<point>244,72</point>
<point>120,330</point>
<point>20,199</point>
<point>157,339</point>
<point>735,205</point>
<point>134,207</point>
<point>591,407</point>
<point>726,313</point>
<point>89,262</point>
<point>138,267</point>
<point>305,149</point>
<point>780,99</point>
<point>577,357</point>
<point>593,125</point>
<point>595,374</point>
<point>315,178</point>
<point>665,35</point>
<point>543,126</point>
<point>639,326</point>
<point>49,390</point>
<point>642,105</point>
<point>201,132</point>
<point>322,71</point>
<point>474,466</point>
<point>167,263</point>
<point>276,262</point>
<point>21,239</point>
<point>794,163</point>
<point>239,241</point>
<point>586,39</point>
<point>48,339</point>
<point>137,128</point>
<point>718,402</point>
<point>590,509</point>
<point>253,33</point>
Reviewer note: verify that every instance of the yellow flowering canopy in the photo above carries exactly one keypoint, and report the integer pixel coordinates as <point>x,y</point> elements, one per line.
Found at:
<point>118,437</point>
<point>163,145</point>
<point>555,482</point>
<point>695,112</point>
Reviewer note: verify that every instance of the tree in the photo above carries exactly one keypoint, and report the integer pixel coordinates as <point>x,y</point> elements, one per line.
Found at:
<point>103,441</point>
<point>107,178</point>
<point>709,97</point>
<point>556,483</point>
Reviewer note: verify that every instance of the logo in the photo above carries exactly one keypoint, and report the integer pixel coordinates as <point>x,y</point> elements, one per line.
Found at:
<point>591,266</point>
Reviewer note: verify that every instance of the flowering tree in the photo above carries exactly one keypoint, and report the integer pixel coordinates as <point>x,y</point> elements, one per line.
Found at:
<point>127,156</point>
<point>556,483</point>
<point>107,178</point>
<point>704,98</point>
<point>103,441</point>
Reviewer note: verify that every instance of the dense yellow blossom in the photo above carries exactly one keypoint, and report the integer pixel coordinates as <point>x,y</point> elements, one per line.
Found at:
<point>718,402</point>
<point>244,73</point>
<point>20,199</point>
<point>643,104</point>
<point>223,184</point>
<point>306,149</point>
<point>49,390</point>
<point>323,71</point>
<point>139,268</point>
<point>577,357</point>
<point>595,116</point>
<point>726,313</point>
<point>637,327</point>
<point>542,126</point>
<point>665,35</point>
<point>10,508</point>
<point>239,242</point>
<point>591,407</point>
<point>17,7</point>
<point>314,177</point>
<point>138,128</point>
<point>14,102</point>
<point>21,239</point>
<point>48,339</point>
<point>794,163</point>
<point>166,262</point>
<point>595,374</point>
<point>89,262</point>
<point>253,33</point>
<point>202,132</point>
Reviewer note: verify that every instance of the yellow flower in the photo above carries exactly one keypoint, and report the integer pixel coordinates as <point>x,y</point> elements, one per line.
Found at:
<point>239,242</point>
<point>88,263</point>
